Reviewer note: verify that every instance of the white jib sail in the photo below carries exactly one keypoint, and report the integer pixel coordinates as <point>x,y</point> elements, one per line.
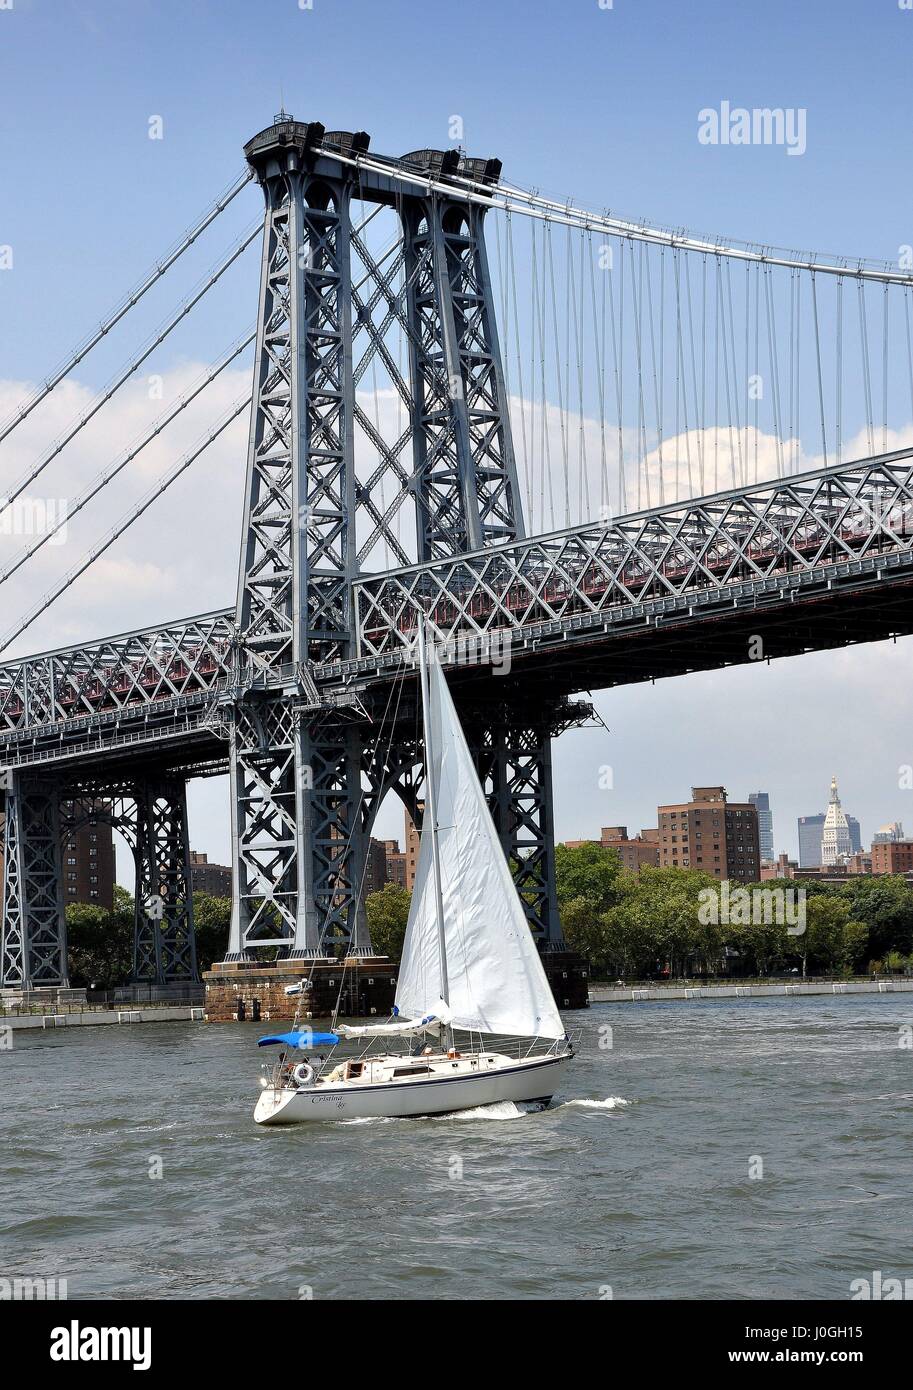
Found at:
<point>496,983</point>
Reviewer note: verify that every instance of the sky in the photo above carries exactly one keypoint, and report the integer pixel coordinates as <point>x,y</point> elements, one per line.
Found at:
<point>578,99</point>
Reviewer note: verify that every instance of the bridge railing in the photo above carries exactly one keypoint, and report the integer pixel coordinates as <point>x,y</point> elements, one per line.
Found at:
<point>793,524</point>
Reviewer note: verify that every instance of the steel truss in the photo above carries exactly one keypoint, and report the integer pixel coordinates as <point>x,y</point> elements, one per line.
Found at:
<point>859,513</point>
<point>42,816</point>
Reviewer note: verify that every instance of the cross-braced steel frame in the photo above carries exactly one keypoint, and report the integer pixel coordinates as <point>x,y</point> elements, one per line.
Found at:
<point>302,773</point>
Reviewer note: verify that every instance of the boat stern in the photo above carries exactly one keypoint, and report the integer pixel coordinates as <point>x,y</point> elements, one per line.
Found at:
<point>272,1106</point>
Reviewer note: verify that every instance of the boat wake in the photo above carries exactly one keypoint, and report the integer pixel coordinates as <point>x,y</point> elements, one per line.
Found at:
<point>610,1103</point>
<point>498,1110</point>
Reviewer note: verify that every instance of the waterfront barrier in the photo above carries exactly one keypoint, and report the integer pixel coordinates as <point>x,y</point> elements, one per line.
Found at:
<point>91,1018</point>
<point>641,994</point>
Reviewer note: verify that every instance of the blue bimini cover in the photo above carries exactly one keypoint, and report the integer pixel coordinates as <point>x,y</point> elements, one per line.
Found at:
<point>303,1039</point>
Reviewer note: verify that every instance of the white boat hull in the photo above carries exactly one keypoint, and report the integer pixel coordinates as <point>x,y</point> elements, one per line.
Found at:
<point>533,1080</point>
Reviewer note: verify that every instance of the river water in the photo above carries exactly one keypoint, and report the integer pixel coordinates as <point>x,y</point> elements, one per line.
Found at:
<point>637,1179</point>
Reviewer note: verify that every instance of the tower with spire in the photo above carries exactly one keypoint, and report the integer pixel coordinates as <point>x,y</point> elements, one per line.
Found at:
<point>836,842</point>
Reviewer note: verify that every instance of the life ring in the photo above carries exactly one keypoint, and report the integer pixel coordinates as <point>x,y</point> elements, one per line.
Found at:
<point>303,1073</point>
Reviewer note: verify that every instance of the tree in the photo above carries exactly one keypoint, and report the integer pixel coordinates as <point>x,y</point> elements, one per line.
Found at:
<point>590,872</point>
<point>100,942</point>
<point>388,912</point>
<point>885,904</point>
<point>211,920</point>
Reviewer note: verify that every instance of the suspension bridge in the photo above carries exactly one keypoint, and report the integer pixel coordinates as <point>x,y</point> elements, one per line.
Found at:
<point>591,451</point>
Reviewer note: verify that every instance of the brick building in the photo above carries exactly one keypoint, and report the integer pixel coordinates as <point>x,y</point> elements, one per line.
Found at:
<point>212,879</point>
<point>413,838</point>
<point>633,852</point>
<point>712,834</point>
<point>375,866</point>
<point>892,857</point>
<point>396,863</point>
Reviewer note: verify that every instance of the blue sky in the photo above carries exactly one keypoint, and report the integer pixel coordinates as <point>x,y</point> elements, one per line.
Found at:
<point>577,100</point>
<point>598,104</point>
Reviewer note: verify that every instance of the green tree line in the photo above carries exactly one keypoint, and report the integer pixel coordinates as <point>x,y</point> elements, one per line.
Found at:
<point>626,925</point>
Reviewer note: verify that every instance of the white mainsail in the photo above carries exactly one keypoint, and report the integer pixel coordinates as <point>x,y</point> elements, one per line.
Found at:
<point>495,980</point>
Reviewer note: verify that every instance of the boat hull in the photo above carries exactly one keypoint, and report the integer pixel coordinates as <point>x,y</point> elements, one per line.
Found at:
<point>533,1080</point>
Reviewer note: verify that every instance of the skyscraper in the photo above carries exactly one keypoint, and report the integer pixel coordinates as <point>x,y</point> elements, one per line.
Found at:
<point>836,840</point>
<point>888,834</point>
<point>810,831</point>
<point>761,801</point>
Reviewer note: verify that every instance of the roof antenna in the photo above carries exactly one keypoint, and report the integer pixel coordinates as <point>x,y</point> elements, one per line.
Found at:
<point>282,115</point>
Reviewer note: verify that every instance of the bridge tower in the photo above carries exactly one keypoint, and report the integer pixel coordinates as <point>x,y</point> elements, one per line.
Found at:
<point>307,780</point>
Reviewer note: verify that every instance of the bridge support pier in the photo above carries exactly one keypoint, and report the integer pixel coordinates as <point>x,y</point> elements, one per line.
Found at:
<point>515,761</point>
<point>164,943</point>
<point>34,941</point>
<point>301,831</point>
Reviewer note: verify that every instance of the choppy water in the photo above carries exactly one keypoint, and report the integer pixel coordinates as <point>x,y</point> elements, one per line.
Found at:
<point>637,1177</point>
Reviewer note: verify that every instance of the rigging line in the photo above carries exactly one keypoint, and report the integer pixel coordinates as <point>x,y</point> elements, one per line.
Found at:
<point>533,368</point>
<point>703,360</point>
<point>722,304</point>
<point>643,477</point>
<point>124,524</point>
<point>838,367</point>
<point>600,373</point>
<point>792,354</point>
<point>735,377</point>
<point>133,366</point>
<point>746,368</point>
<point>619,377</point>
<point>716,384</point>
<point>584,515</point>
<point>564,458</point>
<point>511,265</point>
<point>545,445</point>
<point>774,367</point>
<point>657,399</point>
<point>798,445</point>
<point>820,379</point>
<point>866,374</point>
<point>568,291</point>
<point>102,479</point>
<point>757,359</point>
<point>726,375</point>
<point>906,296</point>
<point>578,354</point>
<point>700,435</point>
<point>113,318</point>
<point>681,351</point>
<point>884,375</point>
<point>677,434</point>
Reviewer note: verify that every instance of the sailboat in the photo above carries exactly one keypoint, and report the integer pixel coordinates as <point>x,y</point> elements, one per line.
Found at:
<point>474,1013</point>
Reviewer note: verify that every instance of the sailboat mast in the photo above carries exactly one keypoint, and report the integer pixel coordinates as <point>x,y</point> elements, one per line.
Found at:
<point>431,812</point>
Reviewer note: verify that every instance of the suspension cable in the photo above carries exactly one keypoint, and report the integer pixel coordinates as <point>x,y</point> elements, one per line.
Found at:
<point>163,484</point>
<point>106,476</point>
<point>158,270</point>
<point>133,366</point>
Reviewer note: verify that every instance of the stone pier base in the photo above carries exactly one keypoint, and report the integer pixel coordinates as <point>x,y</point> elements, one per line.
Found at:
<point>238,991</point>
<point>568,975</point>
